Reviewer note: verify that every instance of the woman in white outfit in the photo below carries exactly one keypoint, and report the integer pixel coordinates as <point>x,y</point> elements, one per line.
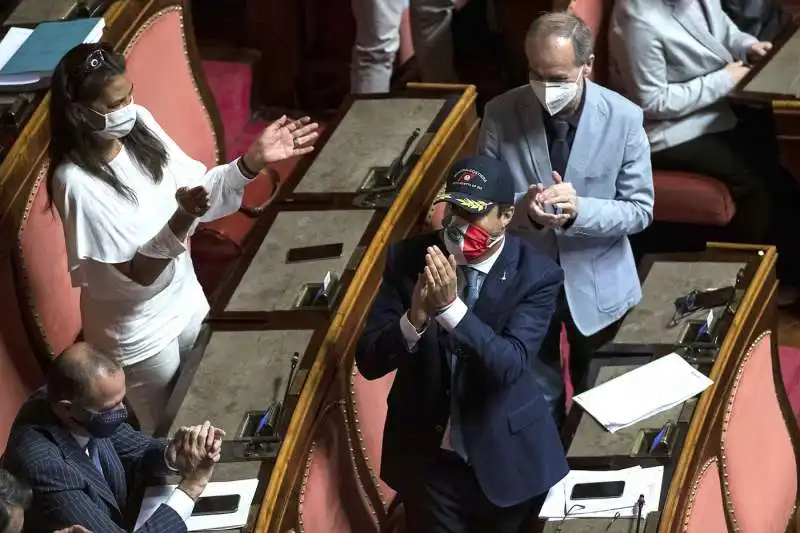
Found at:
<point>129,198</point>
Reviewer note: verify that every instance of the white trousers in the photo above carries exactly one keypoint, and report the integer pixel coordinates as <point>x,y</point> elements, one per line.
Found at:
<point>378,39</point>
<point>149,383</point>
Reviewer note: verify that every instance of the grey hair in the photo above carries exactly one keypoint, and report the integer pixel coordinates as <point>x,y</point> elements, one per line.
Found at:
<point>565,25</point>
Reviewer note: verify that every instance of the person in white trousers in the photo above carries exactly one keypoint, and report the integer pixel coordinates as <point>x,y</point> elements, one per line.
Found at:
<point>378,39</point>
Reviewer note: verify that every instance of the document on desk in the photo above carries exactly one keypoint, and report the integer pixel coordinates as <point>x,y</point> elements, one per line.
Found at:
<point>644,392</point>
<point>245,489</point>
<point>638,482</point>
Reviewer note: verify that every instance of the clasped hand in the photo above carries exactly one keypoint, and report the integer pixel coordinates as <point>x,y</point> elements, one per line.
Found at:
<point>436,288</point>
<point>193,451</point>
<point>561,195</point>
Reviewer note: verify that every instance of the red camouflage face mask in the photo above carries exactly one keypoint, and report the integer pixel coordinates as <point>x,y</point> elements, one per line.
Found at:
<point>471,240</point>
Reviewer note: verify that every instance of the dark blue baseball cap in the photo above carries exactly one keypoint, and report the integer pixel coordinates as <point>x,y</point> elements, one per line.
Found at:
<point>477,183</point>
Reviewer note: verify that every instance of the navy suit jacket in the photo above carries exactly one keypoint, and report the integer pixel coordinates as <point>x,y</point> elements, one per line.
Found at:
<point>67,488</point>
<point>509,433</point>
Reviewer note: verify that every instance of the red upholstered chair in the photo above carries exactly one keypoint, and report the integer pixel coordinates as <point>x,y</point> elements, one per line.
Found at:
<point>50,306</point>
<point>160,63</point>
<point>20,373</point>
<point>681,197</point>
<point>368,408</point>
<point>758,456</point>
<point>705,512</point>
<point>332,499</point>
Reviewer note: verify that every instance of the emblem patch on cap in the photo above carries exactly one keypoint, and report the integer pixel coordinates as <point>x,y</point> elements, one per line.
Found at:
<point>470,176</point>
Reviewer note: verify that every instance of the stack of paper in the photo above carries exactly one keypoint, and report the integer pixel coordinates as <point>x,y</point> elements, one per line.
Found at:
<point>28,57</point>
<point>638,482</point>
<point>644,392</point>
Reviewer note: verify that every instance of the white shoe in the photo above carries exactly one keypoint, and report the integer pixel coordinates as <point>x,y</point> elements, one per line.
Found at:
<point>787,295</point>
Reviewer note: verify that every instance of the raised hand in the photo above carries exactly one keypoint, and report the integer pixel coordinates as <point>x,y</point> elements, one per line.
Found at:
<point>281,140</point>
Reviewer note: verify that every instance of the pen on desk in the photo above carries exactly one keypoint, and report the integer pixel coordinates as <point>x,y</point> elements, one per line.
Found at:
<point>261,424</point>
<point>658,438</point>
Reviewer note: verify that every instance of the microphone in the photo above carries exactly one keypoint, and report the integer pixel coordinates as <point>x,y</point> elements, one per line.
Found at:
<point>639,506</point>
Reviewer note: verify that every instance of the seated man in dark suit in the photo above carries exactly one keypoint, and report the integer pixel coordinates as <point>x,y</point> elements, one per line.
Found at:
<point>764,19</point>
<point>70,442</point>
<point>469,440</point>
<point>15,499</point>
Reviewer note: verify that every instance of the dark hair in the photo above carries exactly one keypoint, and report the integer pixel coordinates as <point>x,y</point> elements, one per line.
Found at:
<point>13,493</point>
<point>70,375</point>
<point>79,80</point>
<point>566,26</point>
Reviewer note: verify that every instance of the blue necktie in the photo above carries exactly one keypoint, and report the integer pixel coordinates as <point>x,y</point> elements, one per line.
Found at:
<point>472,288</point>
<point>94,455</point>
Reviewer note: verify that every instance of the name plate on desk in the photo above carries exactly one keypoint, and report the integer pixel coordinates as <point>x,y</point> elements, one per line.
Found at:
<point>240,372</point>
<point>272,284</point>
<point>372,134</point>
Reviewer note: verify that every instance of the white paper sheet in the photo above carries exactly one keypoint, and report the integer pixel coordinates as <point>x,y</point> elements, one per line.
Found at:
<point>638,481</point>
<point>245,488</point>
<point>11,43</point>
<point>643,392</point>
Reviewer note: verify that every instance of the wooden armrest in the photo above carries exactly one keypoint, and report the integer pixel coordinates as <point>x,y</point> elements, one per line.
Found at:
<point>255,211</point>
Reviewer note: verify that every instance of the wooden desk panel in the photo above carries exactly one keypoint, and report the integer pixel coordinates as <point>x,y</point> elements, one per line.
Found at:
<point>589,442</point>
<point>780,75</point>
<point>372,134</point>
<point>270,284</point>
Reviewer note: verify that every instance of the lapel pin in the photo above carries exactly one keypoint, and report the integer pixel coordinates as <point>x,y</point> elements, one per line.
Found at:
<point>503,277</point>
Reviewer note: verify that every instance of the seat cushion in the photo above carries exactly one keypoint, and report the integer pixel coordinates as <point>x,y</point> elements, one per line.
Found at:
<point>691,199</point>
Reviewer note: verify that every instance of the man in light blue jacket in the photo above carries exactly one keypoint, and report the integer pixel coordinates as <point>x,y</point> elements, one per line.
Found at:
<point>679,60</point>
<point>581,164</point>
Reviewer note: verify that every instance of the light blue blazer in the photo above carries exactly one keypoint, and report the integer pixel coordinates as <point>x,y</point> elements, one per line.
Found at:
<point>609,166</point>
<point>674,66</point>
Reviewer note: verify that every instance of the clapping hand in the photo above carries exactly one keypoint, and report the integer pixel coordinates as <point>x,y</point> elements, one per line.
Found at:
<point>441,282</point>
<point>561,195</point>
<point>535,198</point>
<point>194,202</point>
<point>73,529</point>
<point>281,140</point>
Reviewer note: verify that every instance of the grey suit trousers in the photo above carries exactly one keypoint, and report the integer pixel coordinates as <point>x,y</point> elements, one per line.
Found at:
<point>378,39</point>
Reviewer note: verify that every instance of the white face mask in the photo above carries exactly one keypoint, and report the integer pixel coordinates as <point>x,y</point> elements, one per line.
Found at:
<point>555,95</point>
<point>118,123</point>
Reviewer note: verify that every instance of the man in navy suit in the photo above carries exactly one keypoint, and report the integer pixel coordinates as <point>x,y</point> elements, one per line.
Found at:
<point>470,442</point>
<point>15,499</point>
<point>72,445</point>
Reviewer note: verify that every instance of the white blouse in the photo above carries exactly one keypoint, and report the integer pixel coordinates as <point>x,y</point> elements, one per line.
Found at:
<point>101,228</point>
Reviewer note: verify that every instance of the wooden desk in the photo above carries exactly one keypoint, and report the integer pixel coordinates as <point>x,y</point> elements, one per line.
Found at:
<point>699,419</point>
<point>256,325</point>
